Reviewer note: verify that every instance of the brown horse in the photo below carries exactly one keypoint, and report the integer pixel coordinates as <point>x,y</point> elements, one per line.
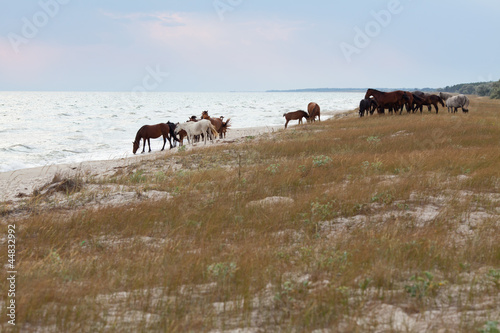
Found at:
<point>217,122</point>
<point>409,104</point>
<point>148,132</point>
<point>427,99</point>
<point>295,115</point>
<point>313,110</point>
<point>225,126</point>
<point>391,100</point>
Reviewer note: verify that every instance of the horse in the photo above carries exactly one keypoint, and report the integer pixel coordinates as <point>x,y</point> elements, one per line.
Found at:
<point>427,99</point>
<point>313,110</point>
<point>182,133</point>
<point>218,123</point>
<point>409,104</point>
<point>420,100</point>
<point>390,100</point>
<point>148,132</point>
<point>445,96</point>
<point>295,115</point>
<point>395,106</point>
<point>455,102</point>
<point>197,128</point>
<point>367,105</point>
<point>225,126</point>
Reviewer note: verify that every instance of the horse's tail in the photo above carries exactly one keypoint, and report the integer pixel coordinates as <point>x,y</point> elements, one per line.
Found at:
<point>284,114</point>
<point>214,130</point>
<point>226,124</point>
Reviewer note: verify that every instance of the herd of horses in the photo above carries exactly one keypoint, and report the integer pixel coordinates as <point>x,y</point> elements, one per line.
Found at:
<point>395,101</point>
<point>209,128</point>
<point>194,129</point>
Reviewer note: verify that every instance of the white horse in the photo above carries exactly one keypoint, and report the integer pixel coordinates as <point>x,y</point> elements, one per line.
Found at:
<point>192,128</point>
<point>455,102</point>
<point>445,96</point>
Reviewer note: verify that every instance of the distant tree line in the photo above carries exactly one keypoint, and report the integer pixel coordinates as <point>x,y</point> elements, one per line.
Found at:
<point>491,89</point>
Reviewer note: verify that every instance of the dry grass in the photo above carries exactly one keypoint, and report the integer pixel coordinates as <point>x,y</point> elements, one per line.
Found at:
<point>393,227</point>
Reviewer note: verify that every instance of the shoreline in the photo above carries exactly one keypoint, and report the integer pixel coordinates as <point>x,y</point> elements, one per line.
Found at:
<point>18,184</point>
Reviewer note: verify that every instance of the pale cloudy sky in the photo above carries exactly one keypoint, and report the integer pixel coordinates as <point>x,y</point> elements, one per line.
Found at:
<point>246,45</point>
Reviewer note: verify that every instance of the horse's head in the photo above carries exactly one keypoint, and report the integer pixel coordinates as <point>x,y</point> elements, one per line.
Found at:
<point>204,115</point>
<point>441,100</point>
<point>136,146</point>
<point>369,93</point>
<point>178,128</point>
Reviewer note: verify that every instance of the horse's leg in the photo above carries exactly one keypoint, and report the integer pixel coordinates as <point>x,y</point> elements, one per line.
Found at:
<point>149,144</point>
<point>164,143</point>
<point>286,123</point>
<point>143,145</point>
<point>170,142</point>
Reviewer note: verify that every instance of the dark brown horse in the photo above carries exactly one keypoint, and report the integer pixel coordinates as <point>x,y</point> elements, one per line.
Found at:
<point>148,132</point>
<point>225,126</point>
<point>409,104</point>
<point>391,100</point>
<point>313,110</point>
<point>295,115</point>
<point>427,99</point>
<point>367,105</point>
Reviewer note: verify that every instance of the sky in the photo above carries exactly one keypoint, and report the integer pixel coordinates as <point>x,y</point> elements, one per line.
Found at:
<point>246,45</point>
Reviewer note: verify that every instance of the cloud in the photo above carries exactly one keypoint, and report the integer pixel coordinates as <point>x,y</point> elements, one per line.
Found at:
<point>164,18</point>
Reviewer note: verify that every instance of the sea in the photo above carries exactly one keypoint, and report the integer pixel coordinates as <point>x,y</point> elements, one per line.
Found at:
<point>46,128</point>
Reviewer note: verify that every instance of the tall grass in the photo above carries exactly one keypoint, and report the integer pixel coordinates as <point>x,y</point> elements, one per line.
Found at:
<point>355,237</point>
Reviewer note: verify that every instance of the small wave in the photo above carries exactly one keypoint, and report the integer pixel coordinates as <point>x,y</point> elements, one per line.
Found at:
<point>20,147</point>
<point>81,151</point>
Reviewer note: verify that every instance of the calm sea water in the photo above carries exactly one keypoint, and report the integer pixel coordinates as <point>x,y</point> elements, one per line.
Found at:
<point>44,128</point>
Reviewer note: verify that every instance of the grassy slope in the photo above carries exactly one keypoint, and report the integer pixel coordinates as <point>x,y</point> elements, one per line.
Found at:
<point>394,218</point>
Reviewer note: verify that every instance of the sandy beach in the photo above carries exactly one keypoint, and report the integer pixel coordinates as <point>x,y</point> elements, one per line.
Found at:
<point>18,184</point>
